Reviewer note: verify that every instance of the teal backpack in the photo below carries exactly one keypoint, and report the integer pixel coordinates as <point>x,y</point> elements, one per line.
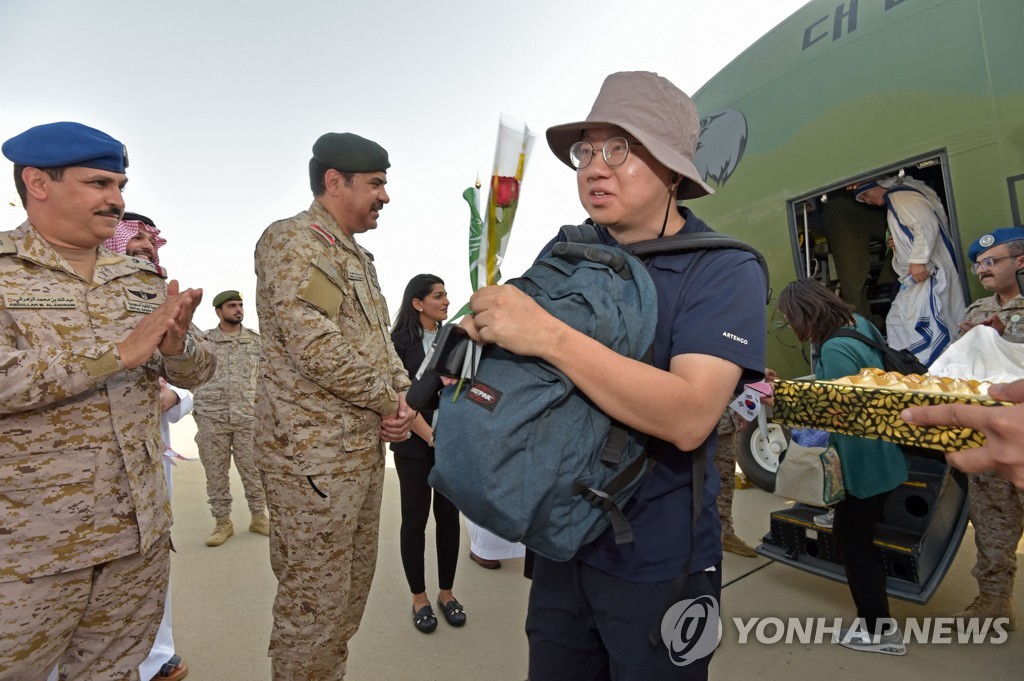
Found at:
<point>519,449</point>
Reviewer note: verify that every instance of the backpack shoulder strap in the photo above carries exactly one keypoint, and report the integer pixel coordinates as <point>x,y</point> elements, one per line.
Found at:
<point>701,241</point>
<point>581,234</point>
<point>677,243</point>
<point>843,332</point>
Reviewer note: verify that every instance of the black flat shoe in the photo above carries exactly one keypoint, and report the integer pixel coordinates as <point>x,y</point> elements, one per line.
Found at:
<point>425,620</point>
<point>454,614</point>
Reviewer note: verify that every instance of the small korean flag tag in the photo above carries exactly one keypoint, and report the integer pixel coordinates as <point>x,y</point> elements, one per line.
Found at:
<point>748,404</point>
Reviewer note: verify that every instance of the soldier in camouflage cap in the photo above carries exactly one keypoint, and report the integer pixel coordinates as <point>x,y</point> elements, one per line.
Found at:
<point>331,388</point>
<point>224,424</point>
<point>84,335</point>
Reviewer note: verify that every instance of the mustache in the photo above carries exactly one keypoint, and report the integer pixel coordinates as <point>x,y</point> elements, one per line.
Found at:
<point>111,211</point>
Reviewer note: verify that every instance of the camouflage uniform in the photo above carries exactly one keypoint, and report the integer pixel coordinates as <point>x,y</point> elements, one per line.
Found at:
<point>223,412</point>
<point>84,512</point>
<point>996,506</point>
<point>328,374</point>
<point>725,461</point>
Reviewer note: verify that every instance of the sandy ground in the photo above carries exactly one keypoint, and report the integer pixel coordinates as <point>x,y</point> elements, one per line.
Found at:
<point>222,608</point>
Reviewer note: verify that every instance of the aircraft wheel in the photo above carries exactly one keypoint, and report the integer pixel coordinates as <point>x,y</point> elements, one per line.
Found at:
<point>759,457</point>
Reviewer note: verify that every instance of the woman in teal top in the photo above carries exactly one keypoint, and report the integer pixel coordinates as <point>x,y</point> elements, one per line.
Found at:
<point>871,468</point>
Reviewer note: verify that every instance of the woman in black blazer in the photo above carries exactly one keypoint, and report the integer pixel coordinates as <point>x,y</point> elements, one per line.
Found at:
<point>424,308</point>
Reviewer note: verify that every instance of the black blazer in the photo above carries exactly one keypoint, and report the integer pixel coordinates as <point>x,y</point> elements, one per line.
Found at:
<point>412,356</point>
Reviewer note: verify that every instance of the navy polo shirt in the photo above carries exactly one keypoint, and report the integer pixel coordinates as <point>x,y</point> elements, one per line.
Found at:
<point>709,303</point>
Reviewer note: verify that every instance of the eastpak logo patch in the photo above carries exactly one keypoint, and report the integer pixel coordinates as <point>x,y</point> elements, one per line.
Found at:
<point>484,395</point>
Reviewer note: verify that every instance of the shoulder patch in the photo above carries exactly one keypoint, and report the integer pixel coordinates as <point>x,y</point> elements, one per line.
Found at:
<point>327,267</point>
<point>7,244</point>
<point>146,266</point>
<point>323,234</point>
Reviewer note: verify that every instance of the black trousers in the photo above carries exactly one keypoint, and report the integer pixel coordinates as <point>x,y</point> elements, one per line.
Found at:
<point>586,625</point>
<point>854,531</point>
<point>416,500</point>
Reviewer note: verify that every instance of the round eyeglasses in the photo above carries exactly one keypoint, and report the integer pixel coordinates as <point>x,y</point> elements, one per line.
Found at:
<point>987,263</point>
<point>615,152</point>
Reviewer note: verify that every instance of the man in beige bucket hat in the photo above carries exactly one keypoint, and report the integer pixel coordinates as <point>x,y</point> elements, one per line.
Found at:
<point>660,116</point>
<point>618,611</point>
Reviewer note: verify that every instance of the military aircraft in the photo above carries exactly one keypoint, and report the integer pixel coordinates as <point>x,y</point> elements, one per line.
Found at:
<point>841,93</point>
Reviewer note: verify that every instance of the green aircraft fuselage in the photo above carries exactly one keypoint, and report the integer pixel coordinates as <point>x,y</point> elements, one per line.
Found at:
<point>845,91</point>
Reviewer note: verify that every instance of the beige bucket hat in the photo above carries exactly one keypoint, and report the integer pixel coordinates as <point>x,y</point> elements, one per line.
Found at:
<point>661,117</point>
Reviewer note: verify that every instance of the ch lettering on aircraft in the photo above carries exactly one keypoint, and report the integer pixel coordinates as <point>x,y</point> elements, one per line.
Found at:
<point>844,21</point>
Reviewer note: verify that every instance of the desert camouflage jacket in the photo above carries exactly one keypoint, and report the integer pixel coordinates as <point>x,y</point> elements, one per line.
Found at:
<point>81,478</point>
<point>1011,314</point>
<point>328,371</point>
<point>229,395</point>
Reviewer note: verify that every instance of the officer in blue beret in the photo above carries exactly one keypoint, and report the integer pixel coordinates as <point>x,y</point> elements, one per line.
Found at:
<point>55,145</point>
<point>996,506</point>
<point>78,408</point>
<point>994,238</point>
<point>995,257</point>
<point>47,155</point>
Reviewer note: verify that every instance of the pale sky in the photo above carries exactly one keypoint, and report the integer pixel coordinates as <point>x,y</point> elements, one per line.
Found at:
<point>219,103</point>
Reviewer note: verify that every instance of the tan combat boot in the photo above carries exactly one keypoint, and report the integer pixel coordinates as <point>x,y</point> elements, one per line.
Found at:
<point>733,544</point>
<point>986,605</point>
<point>260,524</point>
<point>221,532</point>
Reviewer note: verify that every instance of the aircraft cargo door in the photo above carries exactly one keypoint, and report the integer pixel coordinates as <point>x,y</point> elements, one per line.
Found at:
<point>845,245</point>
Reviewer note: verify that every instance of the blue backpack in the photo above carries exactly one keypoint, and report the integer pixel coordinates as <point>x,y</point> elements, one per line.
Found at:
<point>523,453</point>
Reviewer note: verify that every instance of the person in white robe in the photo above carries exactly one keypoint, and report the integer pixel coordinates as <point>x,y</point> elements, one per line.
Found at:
<point>925,313</point>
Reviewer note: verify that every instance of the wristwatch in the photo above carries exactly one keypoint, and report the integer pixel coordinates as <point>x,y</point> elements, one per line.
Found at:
<point>188,352</point>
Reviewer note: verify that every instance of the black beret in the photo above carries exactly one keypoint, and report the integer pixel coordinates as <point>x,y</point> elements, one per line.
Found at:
<point>349,153</point>
<point>56,145</point>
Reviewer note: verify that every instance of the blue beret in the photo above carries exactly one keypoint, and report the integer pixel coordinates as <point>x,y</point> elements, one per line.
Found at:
<point>994,238</point>
<point>350,153</point>
<point>55,145</point>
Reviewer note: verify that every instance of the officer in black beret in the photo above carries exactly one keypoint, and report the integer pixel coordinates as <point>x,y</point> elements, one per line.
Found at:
<point>331,389</point>
<point>350,153</point>
<point>337,158</point>
<point>80,405</point>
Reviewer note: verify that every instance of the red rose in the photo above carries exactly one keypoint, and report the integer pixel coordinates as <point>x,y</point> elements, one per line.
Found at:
<point>506,191</point>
